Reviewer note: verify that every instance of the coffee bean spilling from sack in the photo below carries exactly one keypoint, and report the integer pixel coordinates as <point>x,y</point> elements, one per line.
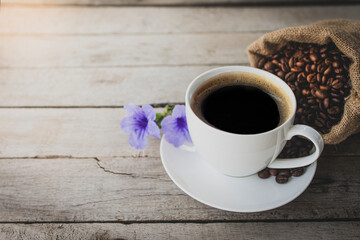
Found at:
<point>319,77</point>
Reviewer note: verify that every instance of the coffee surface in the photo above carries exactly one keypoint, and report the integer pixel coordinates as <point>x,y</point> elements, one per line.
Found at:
<point>241,109</point>
<point>241,103</point>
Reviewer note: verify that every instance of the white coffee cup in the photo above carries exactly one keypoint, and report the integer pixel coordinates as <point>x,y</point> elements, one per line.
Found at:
<point>242,155</point>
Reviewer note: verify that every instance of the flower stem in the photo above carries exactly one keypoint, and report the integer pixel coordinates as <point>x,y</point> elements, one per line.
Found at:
<point>160,116</point>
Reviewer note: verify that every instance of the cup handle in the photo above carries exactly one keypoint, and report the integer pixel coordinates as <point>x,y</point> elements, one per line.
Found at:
<point>309,133</point>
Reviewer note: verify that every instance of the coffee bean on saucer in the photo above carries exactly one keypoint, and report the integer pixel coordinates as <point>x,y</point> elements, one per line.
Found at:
<point>264,173</point>
<point>282,179</point>
<point>284,172</point>
<point>273,172</point>
<point>296,172</point>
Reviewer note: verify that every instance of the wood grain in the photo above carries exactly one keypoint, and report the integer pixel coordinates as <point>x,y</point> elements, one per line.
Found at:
<point>164,20</point>
<point>49,70</point>
<point>90,132</point>
<point>265,231</point>
<point>96,86</point>
<point>164,2</point>
<point>117,51</point>
<point>138,189</point>
<point>67,132</point>
<point>74,165</point>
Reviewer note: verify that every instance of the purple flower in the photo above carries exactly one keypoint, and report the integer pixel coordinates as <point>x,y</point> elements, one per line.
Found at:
<point>139,124</point>
<point>175,127</point>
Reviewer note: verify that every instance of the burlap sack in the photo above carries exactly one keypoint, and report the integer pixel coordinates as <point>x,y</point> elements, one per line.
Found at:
<point>345,34</point>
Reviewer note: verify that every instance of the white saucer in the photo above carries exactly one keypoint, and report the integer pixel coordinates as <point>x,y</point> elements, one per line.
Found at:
<point>246,194</point>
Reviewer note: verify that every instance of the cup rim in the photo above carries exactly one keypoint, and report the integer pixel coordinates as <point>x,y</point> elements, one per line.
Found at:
<point>248,69</point>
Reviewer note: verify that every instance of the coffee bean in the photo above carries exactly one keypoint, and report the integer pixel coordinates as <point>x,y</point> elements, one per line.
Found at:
<point>340,77</point>
<point>284,67</point>
<point>321,94</point>
<point>338,70</point>
<point>334,99</point>
<point>325,88</point>
<point>323,80</point>
<point>313,86</point>
<point>291,62</point>
<point>323,49</point>
<point>296,172</point>
<point>269,66</point>
<point>335,94</point>
<point>318,123</point>
<point>292,87</point>
<point>273,172</point>
<point>318,76</point>
<point>313,68</point>
<point>313,91</point>
<point>327,71</point>
<point>326,102</point>
<point>264,173</point>
<point>335,64</point>
<point>281,179</point>
<point>284,172</point>
<point>261,63</point>
<point>290,76</point>
<point>296,69</point>
<point>311,77</point>
<point>313,57</point>
<point>337,84</point>
<point>334,110</point>
<point>305,92</point>
<point>323,115</point>
<point>275,62</point>
<point>280,74</point>
<point>328,62</point>
<point>334,118</point>
<point>311,100</point>
<point>300,64</point>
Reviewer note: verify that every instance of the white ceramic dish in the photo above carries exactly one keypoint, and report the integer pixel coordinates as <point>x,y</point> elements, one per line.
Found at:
<point>244,194</point>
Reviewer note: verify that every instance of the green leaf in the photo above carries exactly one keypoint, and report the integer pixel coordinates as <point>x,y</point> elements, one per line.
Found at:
<point>160,116</point>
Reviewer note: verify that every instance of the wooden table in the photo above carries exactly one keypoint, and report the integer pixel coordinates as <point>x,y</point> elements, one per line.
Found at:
<point>66,170</point>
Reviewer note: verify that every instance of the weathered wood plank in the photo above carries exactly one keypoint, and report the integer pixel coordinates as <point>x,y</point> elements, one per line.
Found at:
<point>138,189</point>
<point>86,133</point>
<point>164,2</point>
<point>95,86</point>
<point>140,20</point>
<point>264,231</point>
<point>66,132</point>
<point>115,51</point>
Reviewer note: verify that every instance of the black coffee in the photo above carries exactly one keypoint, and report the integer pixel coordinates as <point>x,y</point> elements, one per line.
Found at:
<point>241,109</point>
<point>241,103</point>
